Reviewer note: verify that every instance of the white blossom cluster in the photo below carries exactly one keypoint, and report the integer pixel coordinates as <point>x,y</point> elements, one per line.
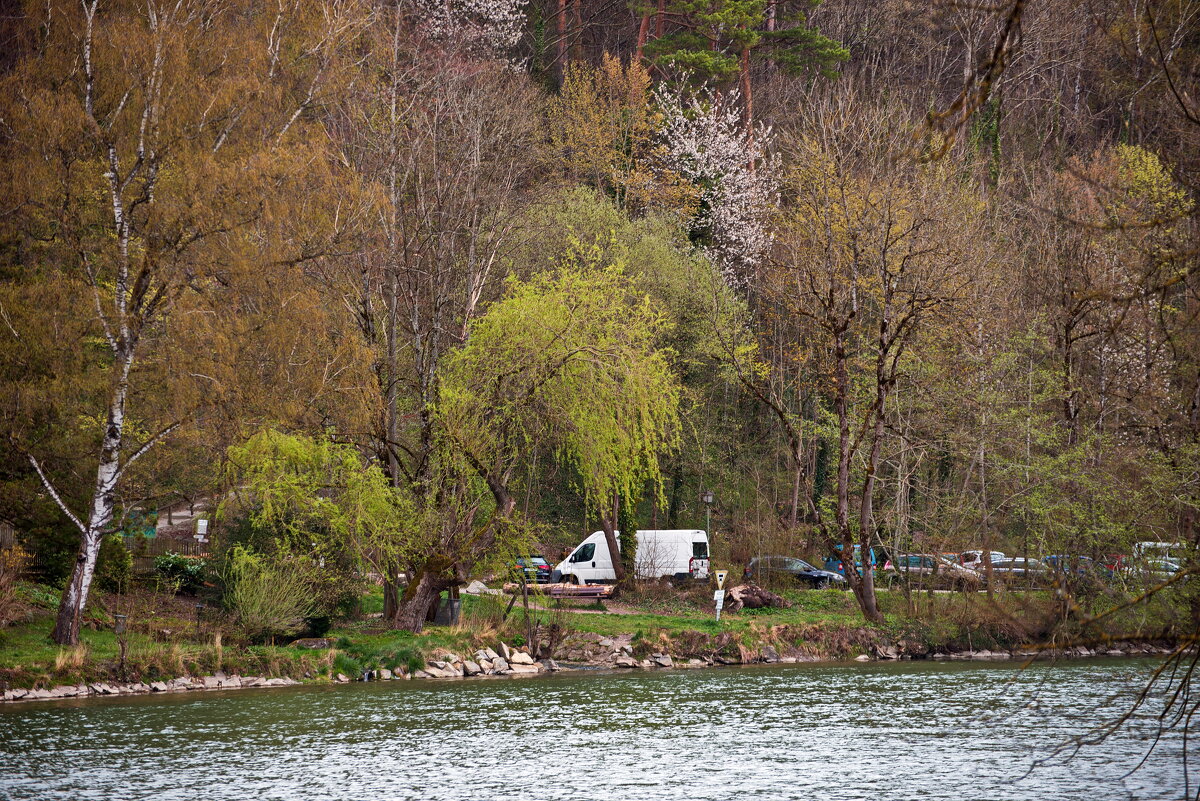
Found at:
<point>706,144</point>
<point>491,28</point>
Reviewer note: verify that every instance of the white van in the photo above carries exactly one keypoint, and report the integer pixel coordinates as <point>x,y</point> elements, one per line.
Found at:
<point>681,553</point>
<point>1158,550</point>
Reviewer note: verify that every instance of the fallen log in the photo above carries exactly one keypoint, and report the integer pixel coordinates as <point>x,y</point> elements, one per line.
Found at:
<point>751,596</point>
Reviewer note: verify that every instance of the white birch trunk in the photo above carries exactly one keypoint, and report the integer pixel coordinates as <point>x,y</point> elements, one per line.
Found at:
<point>70,610</point>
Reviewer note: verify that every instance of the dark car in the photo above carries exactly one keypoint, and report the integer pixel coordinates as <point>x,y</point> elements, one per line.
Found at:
<point>766,568</point>
<point>536,569</point>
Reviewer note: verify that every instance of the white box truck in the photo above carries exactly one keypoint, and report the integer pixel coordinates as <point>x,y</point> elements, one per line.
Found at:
<point>679,553</point>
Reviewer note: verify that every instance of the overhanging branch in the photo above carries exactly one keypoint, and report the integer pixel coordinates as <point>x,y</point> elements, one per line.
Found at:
<point>54,493</point>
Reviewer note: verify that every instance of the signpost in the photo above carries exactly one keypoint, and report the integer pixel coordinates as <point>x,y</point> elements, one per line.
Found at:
<point>719,595</point>
<point>201,530</point>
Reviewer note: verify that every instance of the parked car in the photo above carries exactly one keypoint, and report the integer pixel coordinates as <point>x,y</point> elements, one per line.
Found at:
<point>783,567</point>
<point>1077,565</point>
<point>1021,570</point>
<point>537,569</point>
<point>1160,568</point>
<point>833,562</point>
<point>1115,562</point>
<point>931,570</point>
<point>1159,550</point>
<point>975,559</point>
<point>671,553</point>
<point>1066,563</point>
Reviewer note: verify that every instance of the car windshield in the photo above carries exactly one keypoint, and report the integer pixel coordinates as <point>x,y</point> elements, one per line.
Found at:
<point>799,564</point>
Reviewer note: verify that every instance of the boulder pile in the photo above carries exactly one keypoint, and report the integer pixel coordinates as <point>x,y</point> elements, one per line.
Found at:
<point>485,662</point>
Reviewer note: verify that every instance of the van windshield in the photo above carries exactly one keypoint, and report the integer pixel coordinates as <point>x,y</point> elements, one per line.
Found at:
<point>700,550</point>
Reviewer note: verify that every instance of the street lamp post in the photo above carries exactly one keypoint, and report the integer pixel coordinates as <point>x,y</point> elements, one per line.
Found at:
<point>707,498</point>
<point>122,639</point>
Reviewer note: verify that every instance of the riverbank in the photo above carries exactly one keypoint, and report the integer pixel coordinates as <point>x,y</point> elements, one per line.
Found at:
<point>166,652</point>
<point>611,654</point>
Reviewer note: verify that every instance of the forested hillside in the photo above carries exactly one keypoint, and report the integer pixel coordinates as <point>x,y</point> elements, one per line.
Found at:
<point>411,286</point>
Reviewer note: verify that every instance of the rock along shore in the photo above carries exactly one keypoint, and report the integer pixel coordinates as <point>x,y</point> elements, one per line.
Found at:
<point>578,652</point>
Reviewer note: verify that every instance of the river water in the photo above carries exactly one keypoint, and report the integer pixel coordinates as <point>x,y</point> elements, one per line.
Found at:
<point>877,731</point>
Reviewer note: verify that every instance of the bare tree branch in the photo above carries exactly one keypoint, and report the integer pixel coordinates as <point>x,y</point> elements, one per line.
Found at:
<point>54,493</point>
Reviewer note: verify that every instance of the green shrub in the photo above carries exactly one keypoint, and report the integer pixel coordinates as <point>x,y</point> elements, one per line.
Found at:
<point>268,596</point>
<point>181,573</point>
<point>114,565</point>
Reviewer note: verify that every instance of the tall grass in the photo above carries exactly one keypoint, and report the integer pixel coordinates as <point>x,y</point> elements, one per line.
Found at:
<point>71,658</point>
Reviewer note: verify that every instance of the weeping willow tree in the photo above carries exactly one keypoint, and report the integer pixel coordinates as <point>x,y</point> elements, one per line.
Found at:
<point>565,361</point>
<point>321,499</point>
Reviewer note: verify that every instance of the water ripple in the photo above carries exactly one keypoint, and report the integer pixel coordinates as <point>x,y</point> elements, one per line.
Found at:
<point>901,731</point>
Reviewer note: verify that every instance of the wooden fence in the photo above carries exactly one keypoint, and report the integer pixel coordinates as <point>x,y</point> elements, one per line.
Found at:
<point>145,551</point>
<point>8,535</point>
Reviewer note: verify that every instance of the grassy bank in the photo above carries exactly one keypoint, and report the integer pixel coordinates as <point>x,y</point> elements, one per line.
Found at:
<point>169,637</point>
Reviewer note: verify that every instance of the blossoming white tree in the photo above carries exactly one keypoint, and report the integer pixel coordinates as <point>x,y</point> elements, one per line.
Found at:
<point>704,141</point>
<point>489,28</point>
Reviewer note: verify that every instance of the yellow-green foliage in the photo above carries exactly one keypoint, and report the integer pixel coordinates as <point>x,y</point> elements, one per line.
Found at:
<point>567,359</point>
<point>268,595</point>
<point>1150,186</point>
<point>307,491</point>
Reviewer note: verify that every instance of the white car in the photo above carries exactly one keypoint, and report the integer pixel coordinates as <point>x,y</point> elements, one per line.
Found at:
<point>975,560</point>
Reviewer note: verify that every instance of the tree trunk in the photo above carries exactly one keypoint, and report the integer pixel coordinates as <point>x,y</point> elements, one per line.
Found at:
<point>866,516</point>
<point>747,100</point>
<point>608,522</point>
<point>797,482</point>
<point>422,593</point>
<point>560,48</point>
<point>577,14</point>
<point>842,518</point>
<point>863,585</point>
<point>643,30</point>
<point>391,598</point>
<point>70,609</point>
